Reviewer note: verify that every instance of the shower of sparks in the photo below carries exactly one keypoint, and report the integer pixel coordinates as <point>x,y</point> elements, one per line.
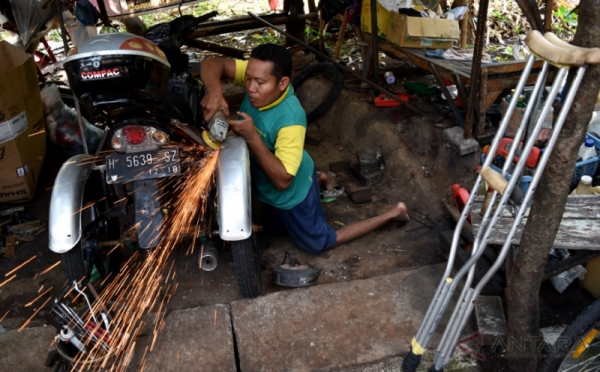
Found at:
<point>4,316</point>
<point>147,285</point>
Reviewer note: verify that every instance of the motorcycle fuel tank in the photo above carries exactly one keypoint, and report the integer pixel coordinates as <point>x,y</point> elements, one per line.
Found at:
<point>116,66</point>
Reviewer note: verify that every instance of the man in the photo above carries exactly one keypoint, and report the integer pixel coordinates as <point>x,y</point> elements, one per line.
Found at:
<point>273,123</point>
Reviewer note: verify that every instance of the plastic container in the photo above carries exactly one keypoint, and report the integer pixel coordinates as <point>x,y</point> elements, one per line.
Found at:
<point>385,101</point>
<point>586,167</point>
<point>389,77</point>
<point>504,149</point>
<point>460,196</point>
<point>419,87</point>
<point>587,149</point>
<point>585,187</point>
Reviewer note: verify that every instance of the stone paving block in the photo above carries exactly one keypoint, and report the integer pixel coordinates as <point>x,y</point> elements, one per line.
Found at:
<point>454,136</point>
<point>190,341</point>
<point>491,321</point>
<point>26,350</point>
<point>332,326</point>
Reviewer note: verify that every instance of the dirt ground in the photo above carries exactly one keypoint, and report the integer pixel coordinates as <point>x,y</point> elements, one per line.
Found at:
<point>420,169</point>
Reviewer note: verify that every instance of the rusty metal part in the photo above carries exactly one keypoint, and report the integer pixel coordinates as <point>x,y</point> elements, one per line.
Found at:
<point>409,106</point>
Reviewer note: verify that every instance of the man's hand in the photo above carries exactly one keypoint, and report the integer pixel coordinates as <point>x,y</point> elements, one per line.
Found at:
<point>212,103</point>
<point>212,69</point>
<point>243,128</point>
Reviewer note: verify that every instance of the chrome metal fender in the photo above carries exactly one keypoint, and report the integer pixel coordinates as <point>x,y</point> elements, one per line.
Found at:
<point>233,190</point>
<point>64,224</point>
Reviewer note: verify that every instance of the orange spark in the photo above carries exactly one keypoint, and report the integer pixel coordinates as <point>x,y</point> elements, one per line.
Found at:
<point>21,265</point>
<point>8,280</point>
<point>38,297</point>
<point>50,268</point>
<point>34,314</point>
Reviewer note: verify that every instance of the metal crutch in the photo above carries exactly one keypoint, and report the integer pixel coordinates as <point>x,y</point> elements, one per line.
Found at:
<point>553,52</point>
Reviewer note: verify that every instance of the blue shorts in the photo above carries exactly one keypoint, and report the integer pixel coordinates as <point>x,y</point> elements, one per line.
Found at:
<point>305,222</point>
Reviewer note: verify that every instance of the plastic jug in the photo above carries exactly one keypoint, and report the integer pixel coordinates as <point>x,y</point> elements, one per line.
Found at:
<point>460,196</point>
<point>587,150</point>
<point>585,187</point>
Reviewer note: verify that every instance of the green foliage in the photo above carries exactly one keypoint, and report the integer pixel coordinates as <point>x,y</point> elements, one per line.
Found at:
<point>269,38</point>
<point>565,21</point>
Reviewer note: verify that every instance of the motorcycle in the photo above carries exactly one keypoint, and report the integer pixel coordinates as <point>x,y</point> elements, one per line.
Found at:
<point>143,89</point>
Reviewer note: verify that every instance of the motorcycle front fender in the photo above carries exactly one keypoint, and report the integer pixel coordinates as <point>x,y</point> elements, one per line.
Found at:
<point>234,190</point>
<point>64,224</point>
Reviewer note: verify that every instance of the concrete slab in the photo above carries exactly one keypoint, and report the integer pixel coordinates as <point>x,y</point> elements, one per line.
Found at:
<point>333,326</point>
<point>26,350</point>
<point>197,339</point>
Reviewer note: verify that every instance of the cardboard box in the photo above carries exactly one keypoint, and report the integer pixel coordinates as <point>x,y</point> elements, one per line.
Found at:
<point>415,32</point>
<point>383,17</point>
<point>22,136</point>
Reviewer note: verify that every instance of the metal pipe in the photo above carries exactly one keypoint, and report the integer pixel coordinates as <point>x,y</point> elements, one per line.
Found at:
<point>209,258</point>
<point>350,71</point>
<point>374,47</point>
<point>63,30</point>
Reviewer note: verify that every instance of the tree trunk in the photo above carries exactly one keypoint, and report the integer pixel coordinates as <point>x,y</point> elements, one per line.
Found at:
<point>549,202</point>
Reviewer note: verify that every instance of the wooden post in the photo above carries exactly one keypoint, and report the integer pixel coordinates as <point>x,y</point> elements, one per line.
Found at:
<point>474,96</point>
<point>464,25</point>
<point>548,17</point>
<point>295,26</point>
<point>341,36</point>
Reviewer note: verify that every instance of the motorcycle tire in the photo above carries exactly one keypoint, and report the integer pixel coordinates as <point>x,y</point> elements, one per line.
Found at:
<point>246,259</point>
<point>560,357</point>
<point>73,260</point>
<point>315,71</point>
<point>74,264</point>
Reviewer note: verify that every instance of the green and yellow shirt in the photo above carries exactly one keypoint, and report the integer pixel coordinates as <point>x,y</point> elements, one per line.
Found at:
<point>282,127</point>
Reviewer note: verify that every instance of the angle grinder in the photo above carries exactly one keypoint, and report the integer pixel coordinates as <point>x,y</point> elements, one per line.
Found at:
<point>293,274</point>
<point>217,130</point>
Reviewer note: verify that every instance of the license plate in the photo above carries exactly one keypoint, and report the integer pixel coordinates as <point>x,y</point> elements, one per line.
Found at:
<point>142,165</point>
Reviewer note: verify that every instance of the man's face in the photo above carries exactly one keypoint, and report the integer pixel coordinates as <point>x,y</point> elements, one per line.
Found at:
<point>262,87</point>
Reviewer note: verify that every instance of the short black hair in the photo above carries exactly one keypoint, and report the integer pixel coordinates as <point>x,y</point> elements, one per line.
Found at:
<point>278,55</point>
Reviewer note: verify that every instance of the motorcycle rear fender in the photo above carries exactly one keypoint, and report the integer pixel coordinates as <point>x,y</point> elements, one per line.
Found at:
<point>233,190</point>
<point>64,224</point>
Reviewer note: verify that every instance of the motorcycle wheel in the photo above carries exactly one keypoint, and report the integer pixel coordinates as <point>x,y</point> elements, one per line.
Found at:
<point>106,261</point>
<point>578,347</point>
<point>315,71</point>
<point>246,258</point>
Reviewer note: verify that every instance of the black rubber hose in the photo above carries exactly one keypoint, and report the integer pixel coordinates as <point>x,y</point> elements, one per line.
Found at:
<point>318,70</point>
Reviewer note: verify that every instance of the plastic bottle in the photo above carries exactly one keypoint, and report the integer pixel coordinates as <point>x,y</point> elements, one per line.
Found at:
<point>587,150</point>
<point>504,148</point>
<point>585,187</point>
<point>389,77</point>
<point>460,196</point>
<point>521,102</point>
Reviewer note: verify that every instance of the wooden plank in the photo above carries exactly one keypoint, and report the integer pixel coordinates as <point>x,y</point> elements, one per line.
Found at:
<point>579,227</point>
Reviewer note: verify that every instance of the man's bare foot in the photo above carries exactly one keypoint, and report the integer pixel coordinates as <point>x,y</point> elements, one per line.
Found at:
<point>400,213</point>
<point>326,180</point>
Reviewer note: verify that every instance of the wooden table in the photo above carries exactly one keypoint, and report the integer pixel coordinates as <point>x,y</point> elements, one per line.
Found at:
<point>495,77</point>
<point>579,227</point>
